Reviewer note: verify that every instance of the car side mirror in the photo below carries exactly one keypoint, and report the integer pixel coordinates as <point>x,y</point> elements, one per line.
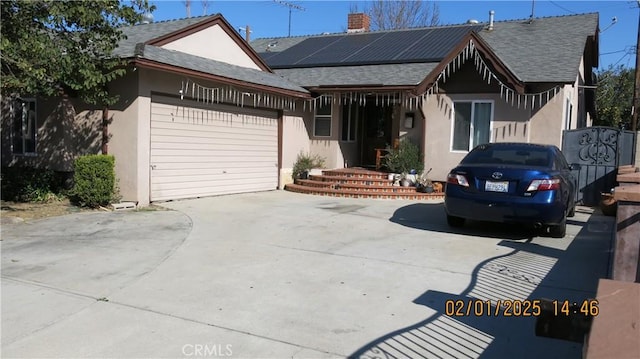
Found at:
<point>574,166</point>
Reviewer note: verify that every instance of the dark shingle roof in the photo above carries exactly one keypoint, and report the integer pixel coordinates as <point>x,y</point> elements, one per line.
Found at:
<point>385,75</point>
<point>144,32</point>
<point>204,65</point>
<point>544,50</point>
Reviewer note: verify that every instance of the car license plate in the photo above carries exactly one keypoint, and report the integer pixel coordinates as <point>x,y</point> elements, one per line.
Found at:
<point>493,186</point>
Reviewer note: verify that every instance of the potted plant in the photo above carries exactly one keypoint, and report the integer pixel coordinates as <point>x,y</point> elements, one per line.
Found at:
<point>424,184</point>
<point>406,180</point>
<point>305,162</point>
<point>405,159</point>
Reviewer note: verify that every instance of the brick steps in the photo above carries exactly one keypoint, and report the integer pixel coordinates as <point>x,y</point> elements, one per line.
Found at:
<point>357,183</point>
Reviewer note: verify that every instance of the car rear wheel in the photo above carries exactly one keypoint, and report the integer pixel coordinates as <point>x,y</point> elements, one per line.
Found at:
<point>572,211</point>
<point>560,230</point>
<point>454,221</point>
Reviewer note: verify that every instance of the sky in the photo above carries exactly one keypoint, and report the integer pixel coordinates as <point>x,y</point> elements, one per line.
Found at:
<point>270,18</point>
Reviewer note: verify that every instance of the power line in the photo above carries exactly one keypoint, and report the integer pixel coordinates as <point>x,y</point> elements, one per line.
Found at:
<point>563,8</point>
<point>613,52</point>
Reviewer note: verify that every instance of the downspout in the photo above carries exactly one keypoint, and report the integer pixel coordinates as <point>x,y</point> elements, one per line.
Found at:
<point>105,130</point>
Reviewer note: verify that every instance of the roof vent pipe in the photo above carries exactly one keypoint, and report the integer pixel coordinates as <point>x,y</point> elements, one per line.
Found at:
<point>491,14</point>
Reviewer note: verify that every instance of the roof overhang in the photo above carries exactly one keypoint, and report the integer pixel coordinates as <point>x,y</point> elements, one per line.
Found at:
<point>154,65</point>
<point>489,57</point>
<point>374,88</point>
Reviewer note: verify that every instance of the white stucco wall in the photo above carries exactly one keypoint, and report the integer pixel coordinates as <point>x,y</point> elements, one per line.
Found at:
<point>509,124</point>
<point>546,123</point>
<point>213,43</point>
<point>124,139</point>
<point>295,140</point>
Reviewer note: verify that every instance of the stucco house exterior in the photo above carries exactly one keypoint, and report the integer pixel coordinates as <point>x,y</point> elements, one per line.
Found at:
<point>444,88</point>
<point>202,112</point>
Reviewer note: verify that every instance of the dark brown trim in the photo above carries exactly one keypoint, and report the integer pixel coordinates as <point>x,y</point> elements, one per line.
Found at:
<point>351,88</point>
<point>490,57</point>
<point>208,22</point>
<point>144,63</point>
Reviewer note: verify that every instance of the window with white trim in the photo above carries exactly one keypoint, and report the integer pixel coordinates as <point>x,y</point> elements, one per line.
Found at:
<point>349,123</point>
<point>322,121</point>
<point>471,124</point>
<point>23,129</point>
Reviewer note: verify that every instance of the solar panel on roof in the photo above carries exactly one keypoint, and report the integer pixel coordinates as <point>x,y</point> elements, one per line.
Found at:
<point>341,49</point>
<point>392,44</point>
<point>428,44</point>
<point>296,53</point>
<point>438,43</point>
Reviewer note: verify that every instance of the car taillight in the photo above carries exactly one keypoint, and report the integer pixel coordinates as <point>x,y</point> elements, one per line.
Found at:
<point>457,179</point>
<point>544,185</point>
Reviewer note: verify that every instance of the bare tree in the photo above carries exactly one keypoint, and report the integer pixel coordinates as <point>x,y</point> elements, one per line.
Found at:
<point>402,14</point>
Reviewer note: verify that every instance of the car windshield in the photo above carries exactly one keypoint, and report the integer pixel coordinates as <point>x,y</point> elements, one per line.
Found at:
<point>516,155</point>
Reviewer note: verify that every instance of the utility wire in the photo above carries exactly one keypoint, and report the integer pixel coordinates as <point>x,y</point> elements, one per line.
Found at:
<point>563,8</point>
<point>614,52</point>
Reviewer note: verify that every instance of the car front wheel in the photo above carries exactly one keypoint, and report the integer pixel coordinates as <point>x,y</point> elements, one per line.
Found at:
<point>454,221</point>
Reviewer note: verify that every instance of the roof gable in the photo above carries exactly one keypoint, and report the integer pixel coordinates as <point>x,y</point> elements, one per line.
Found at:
<point>189,35</point>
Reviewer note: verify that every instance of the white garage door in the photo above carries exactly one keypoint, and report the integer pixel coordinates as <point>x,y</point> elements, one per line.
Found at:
<point>204,149</point>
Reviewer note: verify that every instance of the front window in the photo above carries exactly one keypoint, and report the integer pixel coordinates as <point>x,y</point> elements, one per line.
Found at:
<point>23,130</point>
<point>322,121</point>
<point>471,124</point>
<point>349,116</point>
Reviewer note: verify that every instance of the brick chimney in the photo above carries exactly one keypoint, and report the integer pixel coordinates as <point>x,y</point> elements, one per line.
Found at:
<point>358,22</point>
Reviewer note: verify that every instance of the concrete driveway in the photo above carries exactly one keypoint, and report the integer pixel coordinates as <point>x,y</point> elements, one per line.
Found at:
<point>278,274</point>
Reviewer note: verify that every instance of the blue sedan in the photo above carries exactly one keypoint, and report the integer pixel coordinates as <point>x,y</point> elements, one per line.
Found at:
<point>512,182</point>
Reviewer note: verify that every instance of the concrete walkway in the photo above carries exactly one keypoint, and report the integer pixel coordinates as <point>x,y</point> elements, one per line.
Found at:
<point>279,274</point>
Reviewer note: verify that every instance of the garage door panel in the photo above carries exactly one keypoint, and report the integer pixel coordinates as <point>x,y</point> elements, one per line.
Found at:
<point>223,127</point>
<point>198,180</point>
<point>213,165</point>
<point>166,195</point>
<point>205,172</point>
<point>220,151</point>
<point>192,142</point>
<point>158,161</point>
<point>185,109</point>
<point>227,132</point>
<point>198,152</point>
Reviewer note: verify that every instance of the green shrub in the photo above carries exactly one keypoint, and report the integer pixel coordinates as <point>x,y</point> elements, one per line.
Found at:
<point>403,159</point>
<point>26,184</point>
<point>94,181</point>
<point>305,162</point>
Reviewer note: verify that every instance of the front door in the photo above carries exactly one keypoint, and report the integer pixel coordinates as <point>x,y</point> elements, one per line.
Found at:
<point>376,131</point>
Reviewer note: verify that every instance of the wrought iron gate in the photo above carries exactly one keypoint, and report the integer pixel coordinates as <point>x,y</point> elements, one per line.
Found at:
<point>599,151</point>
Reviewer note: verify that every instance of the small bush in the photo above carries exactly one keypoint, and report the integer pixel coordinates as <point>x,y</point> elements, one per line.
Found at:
<point>94,181</point>
<point>305,162</point>
<point>405,158</point>
<point>26,184</point>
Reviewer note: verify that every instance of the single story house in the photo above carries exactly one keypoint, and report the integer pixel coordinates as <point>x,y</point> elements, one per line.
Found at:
<point>445,88</point>
<point>202,112</point>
